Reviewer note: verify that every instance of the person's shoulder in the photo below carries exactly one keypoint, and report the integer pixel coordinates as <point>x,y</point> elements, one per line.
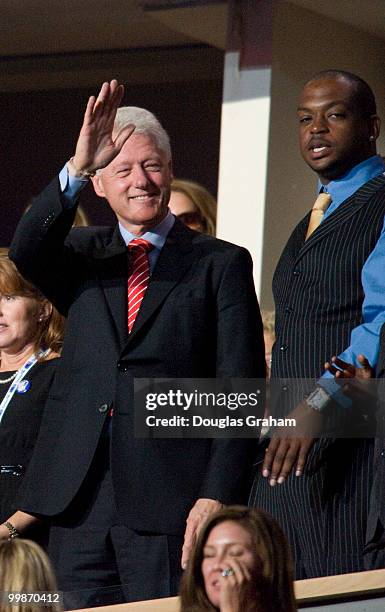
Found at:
<point>92,232</point>
<point>86,238</point>
<point>44,371</point>
<point>52,356</point>
<point>218,242</point>
<point>50,362</point>
<point>220,248</point>
<point>374,188</point>
<point>209,243</point>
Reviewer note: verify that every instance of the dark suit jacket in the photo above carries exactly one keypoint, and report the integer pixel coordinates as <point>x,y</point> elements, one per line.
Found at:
<point>377,498</point>
<point>318,295</point>
<point>199,318</point>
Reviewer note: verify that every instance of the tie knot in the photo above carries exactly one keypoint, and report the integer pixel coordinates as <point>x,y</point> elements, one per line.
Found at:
<point>141,244</point>
<point>322,202</point>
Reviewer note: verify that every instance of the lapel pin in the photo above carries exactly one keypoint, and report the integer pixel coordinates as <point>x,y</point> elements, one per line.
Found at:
<point>23,386</point>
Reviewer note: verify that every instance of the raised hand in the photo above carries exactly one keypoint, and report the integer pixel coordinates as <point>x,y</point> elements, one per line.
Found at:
<point>97,146</point>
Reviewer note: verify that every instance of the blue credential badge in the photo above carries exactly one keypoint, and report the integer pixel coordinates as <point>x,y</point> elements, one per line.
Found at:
<point>23,386</point>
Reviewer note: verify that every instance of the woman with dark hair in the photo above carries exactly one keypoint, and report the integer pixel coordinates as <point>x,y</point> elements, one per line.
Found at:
<point>241,562</point>
<point>31,333</point>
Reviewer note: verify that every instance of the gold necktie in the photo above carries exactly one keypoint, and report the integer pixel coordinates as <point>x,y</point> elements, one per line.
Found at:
<point>318,211</point>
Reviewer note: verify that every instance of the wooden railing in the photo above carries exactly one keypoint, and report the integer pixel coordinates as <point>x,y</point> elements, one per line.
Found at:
<point>313,591</point>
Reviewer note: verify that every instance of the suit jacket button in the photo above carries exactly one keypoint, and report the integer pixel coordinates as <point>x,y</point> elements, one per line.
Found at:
<point>283,348</point>
<point>103,408</point>
<point>297,272</point>
<point>382,453</point>
<point>122,366</point>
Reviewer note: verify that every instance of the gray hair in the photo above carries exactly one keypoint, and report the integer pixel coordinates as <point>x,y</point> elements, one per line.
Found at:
<point>145,123</point>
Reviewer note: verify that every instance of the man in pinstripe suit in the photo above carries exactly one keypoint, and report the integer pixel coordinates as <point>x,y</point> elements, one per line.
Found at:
<point>375,532</point>
<point>328,289</point>
<point>365,392</point>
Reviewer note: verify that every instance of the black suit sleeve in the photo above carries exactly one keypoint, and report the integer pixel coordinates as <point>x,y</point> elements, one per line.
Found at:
<point>39,247</point>
<point>240,343</point>
<point>240,354</point>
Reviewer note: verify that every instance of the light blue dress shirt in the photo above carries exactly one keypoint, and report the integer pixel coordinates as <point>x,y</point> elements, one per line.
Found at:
<point>343,187</point>
<point>71,187</point>
<point>365,338</point>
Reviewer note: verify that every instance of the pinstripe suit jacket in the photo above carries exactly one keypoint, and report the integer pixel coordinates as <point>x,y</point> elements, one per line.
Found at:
<point>377,500</point>
<point>317,286</point>
<point>319,295</point>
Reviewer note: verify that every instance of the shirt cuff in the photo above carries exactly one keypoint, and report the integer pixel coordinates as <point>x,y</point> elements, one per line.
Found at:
<point>333,390</point>
<point>70,186</point>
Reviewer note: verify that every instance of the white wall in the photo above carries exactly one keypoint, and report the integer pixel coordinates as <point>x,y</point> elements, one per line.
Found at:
<point>243,158</point>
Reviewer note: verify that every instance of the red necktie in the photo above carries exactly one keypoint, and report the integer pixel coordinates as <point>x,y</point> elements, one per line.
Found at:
<point>138,278</point>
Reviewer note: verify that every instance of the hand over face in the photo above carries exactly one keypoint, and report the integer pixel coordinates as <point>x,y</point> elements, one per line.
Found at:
<point>234,582</point>
<point>228,565</point>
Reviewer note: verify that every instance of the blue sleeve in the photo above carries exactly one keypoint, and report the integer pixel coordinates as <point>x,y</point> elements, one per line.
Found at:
<point>365,338</point>
<point>70,186</point>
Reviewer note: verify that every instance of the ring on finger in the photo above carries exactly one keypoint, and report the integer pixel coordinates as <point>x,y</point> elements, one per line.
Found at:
<point>227,572</point>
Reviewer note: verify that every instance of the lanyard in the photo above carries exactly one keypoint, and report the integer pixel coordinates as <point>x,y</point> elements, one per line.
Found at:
<point>19,377</point>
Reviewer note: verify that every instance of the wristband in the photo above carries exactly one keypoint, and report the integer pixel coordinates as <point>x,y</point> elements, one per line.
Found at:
<point>13,533</point>
<point>87,174</point>
<point>318,399</point>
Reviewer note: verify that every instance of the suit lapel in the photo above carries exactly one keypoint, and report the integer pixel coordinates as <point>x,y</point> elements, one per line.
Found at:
<point>343,213</point>
<point>111,269</point>
<point>175,259</point>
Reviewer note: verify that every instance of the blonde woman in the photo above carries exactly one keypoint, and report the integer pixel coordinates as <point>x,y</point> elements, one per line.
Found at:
<point>25,569</point>
<point>193,205</point>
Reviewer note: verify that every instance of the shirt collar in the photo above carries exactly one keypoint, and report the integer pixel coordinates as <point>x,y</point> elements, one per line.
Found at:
<point>342,188</point>
<point>156,235</point>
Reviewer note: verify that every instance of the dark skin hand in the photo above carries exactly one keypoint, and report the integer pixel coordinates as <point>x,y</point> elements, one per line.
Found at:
<point>343,369</point>
<point>356,379</point>
<point>290,446</point>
